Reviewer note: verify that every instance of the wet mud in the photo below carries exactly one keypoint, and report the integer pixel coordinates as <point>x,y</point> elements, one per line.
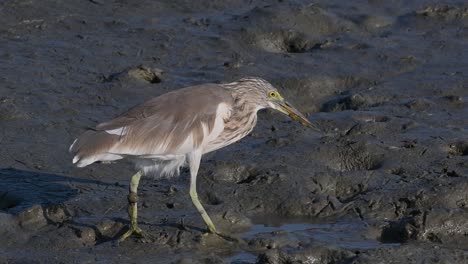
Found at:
<point>385,181</point>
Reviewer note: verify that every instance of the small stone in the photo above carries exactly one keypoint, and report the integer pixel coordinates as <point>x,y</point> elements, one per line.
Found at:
<point>32,218</point>
<point>87,235</point>
<point>237,219</point>
<point>55,214</point>
<point>278,142</point>
<point>172,190</point>
<point>269,257</point>
<point>109,228</point>
<point>459,148</point>
<point>151,75</point>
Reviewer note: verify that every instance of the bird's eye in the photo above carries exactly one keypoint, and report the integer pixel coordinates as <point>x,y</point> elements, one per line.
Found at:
<point>272,94</point>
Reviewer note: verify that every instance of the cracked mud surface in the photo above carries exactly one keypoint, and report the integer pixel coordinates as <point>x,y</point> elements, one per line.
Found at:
<point>386,82</point>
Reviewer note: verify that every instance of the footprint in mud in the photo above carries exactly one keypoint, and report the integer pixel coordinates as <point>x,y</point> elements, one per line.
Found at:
<point>286,41</point>
<point>373,22</point>
<point>36,199</point>
<point>454,100</point>
<point>241,174</point>
<point>399,231</point>
<point>319,93</point>
<point>9,110</point>
<point>8,200</point>
<point>346,102</point>
<point>420,104</point>
<point>24,189</point>
<point>354,156</point>
<point>305,29</point>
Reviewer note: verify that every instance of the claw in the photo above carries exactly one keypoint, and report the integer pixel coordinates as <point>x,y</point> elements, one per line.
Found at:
<point>144,236</point>
<point>135,230</point>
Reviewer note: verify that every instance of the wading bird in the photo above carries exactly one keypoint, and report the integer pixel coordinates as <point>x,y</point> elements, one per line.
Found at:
<point>177,128</point>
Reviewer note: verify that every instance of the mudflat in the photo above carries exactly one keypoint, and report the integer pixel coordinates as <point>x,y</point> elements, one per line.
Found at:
<point>386,181</point>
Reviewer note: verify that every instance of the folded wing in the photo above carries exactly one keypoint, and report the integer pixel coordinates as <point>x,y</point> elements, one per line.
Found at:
<point>175,123</point>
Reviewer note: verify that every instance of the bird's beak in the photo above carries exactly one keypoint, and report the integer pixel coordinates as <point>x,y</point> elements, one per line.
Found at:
<point>292,112</point>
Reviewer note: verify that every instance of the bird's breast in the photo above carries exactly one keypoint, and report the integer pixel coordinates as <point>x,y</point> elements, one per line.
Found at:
<point>235,129</point>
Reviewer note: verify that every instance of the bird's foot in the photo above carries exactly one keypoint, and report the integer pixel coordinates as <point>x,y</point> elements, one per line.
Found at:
<point>136,231</point>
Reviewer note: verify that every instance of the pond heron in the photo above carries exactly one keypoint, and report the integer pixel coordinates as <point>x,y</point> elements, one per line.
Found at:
<point>177,128</point>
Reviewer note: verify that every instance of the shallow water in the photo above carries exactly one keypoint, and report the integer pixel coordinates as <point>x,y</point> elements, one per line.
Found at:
<point>242,257</point>
<point>349,235</point>
<point>346,235</point>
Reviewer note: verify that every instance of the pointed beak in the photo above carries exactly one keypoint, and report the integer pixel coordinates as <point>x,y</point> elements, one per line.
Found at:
<point>292,112</point>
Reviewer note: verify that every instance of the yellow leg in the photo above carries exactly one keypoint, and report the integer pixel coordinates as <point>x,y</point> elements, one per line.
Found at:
<point>204,214</point>
<point>201,210</point>
<point>194,160</point>
<point>132,208</point>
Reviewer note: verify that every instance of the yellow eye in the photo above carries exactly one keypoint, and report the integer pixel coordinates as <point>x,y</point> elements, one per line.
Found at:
<point>273,94</point>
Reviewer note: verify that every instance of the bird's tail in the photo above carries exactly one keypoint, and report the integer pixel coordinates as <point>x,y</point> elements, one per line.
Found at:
<point>93,146</point>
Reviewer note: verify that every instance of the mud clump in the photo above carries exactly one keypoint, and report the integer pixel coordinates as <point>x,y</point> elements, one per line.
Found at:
<point>419,105</point>
<point>150,75</point>
<point>56,214</point>
<point>315,253</point>
<point>32,218</point>
<point>233,172</point>
<point>108,230</point>
<point>87,235</point>
<point>307,29</point>
<point>445,226</point>
<point>399,231</point>
<point>346,102</point>
<point>290,42</point>
<point>454,100</point>
<point>444,11</point>
<point>139,73</point>
<point>459,148</point>
<point>353,156</point>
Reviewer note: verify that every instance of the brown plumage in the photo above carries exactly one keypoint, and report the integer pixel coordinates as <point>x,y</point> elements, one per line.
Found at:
<point>150,126</point>
<point>164,133</point>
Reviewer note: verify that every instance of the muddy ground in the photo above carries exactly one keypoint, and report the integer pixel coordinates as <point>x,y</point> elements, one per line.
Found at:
<point>385,182</point>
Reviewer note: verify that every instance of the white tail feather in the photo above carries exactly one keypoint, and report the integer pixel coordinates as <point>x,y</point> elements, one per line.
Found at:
<point>161,168</point>
<point>71,146</point>
<point>83,162</point>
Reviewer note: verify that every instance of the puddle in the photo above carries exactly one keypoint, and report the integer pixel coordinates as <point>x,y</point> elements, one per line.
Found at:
<point>242,257</point>
<point>347,235</point>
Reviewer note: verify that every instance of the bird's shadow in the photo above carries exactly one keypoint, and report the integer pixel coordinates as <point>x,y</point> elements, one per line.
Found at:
<point>20,189</point>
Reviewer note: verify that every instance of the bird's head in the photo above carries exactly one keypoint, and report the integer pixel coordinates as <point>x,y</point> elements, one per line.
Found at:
<point>264,95</point>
